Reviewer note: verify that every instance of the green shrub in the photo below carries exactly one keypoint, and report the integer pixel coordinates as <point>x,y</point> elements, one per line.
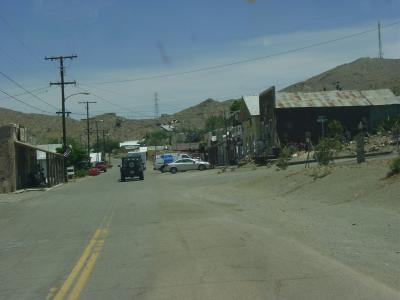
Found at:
<point>283,159</point>
<point>80,173</point>
<point>326,150</point>
<point>335,129</point>
<point>394,167</point>
<point>389,123</point>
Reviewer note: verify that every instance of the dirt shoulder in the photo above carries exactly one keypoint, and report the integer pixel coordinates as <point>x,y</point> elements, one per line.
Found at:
<point>350,212</point>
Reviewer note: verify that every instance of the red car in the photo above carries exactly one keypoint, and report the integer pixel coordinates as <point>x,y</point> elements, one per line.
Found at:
<point>102,166</point>
<point>93,171</point>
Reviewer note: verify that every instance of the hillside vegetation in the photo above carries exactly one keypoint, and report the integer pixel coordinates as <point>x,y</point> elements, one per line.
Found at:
<point>45,128</point>
<point>362,74</point>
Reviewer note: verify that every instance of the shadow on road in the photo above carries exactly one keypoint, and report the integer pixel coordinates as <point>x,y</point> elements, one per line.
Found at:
<point>129,179</point>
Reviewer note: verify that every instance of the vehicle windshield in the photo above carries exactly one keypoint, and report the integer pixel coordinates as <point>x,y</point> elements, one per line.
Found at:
<point>209,149</point>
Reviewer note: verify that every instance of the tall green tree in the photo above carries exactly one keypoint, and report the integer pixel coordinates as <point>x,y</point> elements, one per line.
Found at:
<point>78,153</point>
<point>236,105</point>
<point>159,137</point>
<point>214,122</point>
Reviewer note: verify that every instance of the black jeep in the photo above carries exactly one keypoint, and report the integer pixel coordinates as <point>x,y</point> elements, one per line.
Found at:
<point>131,167</point>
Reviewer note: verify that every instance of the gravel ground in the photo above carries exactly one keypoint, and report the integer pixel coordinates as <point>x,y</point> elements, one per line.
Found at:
<point>349,212</point>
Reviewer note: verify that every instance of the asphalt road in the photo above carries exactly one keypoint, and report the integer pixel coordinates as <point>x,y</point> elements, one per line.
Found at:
<point>160,238</point>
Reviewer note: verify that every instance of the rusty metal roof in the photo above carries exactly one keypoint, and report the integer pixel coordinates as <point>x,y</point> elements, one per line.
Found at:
<point>336,98</point>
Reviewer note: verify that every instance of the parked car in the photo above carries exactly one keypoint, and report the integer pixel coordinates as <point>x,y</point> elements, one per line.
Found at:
<point>131,167</point>
<point>162,160</point>
<point>93,171</point>
<point>186,165</point>
<point>102,166</point>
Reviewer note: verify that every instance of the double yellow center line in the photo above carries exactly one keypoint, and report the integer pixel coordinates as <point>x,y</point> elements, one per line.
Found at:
<point>76,280</point>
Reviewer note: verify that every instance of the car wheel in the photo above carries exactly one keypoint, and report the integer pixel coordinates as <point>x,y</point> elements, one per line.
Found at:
<point>105,170</point>
<point>141,177</point>
<point>174,170</point>
<point>123,178</point>
<point>162,169</point>
<point>202,167</point>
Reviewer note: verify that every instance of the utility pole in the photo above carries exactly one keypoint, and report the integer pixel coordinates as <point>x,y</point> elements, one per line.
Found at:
<point>88,125</point>
<point>156,111</point>
<point>67,113</point>
<point>97,130</point>
<point>380,53</point>
<point>226,152</point>
<point>97,137</point>
<point>104,140</point>
<point>62,83</point>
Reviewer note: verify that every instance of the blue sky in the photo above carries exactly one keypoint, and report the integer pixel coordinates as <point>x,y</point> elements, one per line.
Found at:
<point>117,40</point>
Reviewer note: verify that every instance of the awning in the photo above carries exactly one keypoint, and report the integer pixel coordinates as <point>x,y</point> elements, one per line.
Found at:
<point>36,148</point>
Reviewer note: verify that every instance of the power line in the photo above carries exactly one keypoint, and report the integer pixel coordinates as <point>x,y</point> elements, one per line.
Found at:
<point>41,90</point>
<point>219,66</point>
<point>27,104</point>
<point>230,96</point>
<point>29,92</point>
<point>107,101</point>
<point>12,59</point>
<point>19,39</point>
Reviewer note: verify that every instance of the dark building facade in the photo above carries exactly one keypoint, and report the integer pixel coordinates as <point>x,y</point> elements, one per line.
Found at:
<point>291,115</point>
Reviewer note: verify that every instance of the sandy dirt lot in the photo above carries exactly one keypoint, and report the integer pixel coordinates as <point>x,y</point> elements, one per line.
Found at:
<point>348,212</point>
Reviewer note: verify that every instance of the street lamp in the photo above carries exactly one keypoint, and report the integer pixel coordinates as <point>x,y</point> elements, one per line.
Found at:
<point>63,116</point>
<point>64,130</point>
<point>80,93</point>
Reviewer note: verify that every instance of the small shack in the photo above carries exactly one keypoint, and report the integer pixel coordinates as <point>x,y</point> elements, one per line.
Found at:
<point>19,165</point>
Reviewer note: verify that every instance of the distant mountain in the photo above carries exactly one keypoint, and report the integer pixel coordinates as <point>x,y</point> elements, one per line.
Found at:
<point>195,116</point>
<point>362,74</point>
<point>44,128</point>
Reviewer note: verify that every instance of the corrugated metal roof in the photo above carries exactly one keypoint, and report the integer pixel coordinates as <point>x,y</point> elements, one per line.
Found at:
<point>381,97</point>
<point>320,99</point>
<point>326,99</point>
<point>129,144</point>
<point>167,127</point>
<point>336,98</point>
<point>252,104</point>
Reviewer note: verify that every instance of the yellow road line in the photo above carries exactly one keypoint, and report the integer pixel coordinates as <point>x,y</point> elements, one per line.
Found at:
<point>80,283</point>
<point>78,266</point>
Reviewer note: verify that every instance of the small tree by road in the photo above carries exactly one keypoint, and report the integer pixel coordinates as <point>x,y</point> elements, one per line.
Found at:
<point>326,150</point>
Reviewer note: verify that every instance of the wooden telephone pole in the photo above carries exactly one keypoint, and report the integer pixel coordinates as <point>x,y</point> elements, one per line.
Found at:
<point>88,126</point>
<point>62,83</point>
